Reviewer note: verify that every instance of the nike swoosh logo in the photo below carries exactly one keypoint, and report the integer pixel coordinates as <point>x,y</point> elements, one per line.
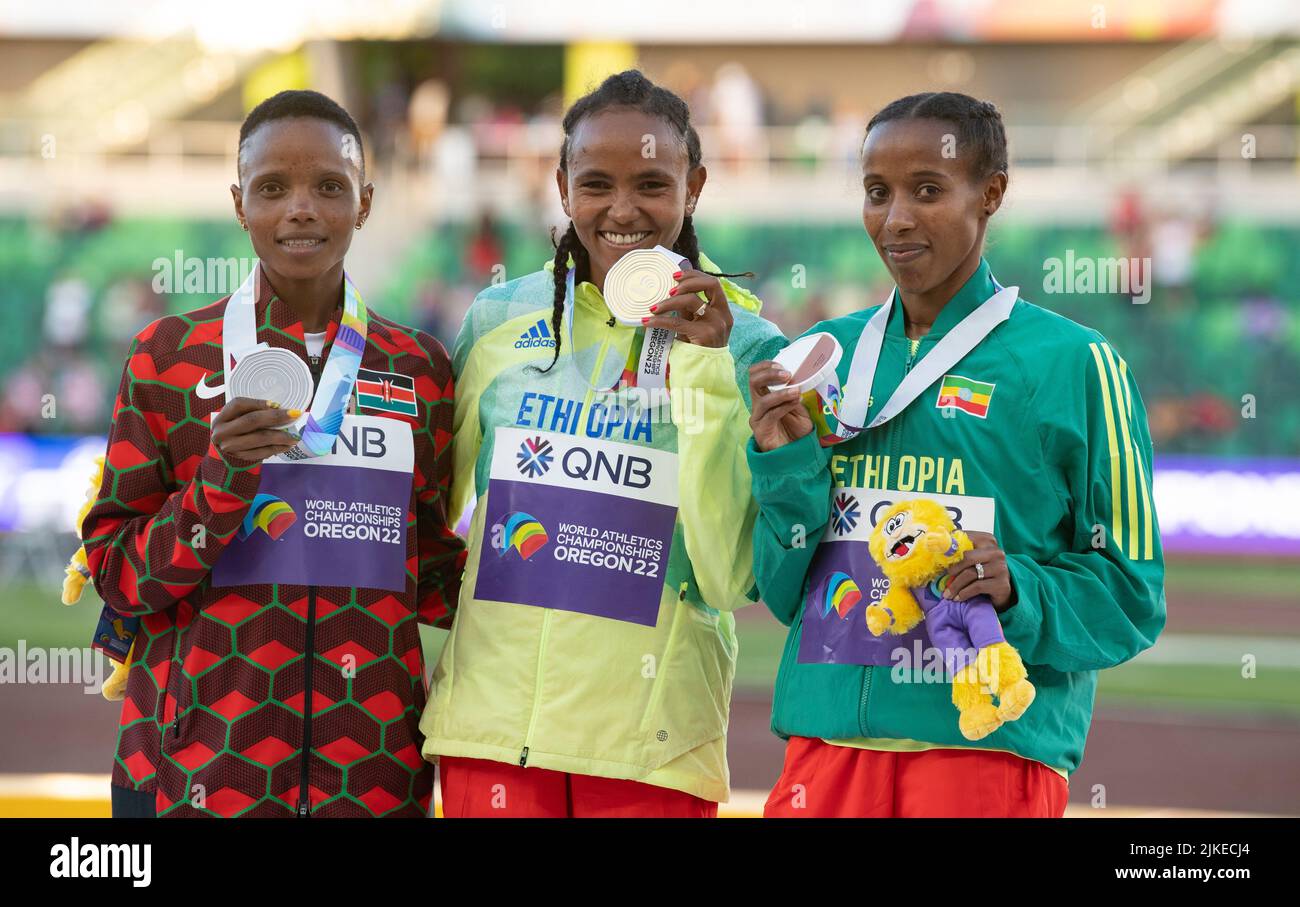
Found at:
<point>206,391</point>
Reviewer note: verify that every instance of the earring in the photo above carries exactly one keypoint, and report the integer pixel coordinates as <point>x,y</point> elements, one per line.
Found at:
<point>244,225</point>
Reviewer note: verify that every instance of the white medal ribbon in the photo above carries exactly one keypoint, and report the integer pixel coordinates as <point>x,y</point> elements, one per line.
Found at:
<point>258,370</point>
<point>950,350</point>
<point>239,324</point>
<point>271,373</point>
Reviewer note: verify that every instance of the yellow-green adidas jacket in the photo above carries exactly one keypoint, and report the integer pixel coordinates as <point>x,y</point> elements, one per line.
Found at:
<point>573,692</point>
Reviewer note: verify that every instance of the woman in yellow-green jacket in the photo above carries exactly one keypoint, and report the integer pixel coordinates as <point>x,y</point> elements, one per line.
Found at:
<point>590,667</point>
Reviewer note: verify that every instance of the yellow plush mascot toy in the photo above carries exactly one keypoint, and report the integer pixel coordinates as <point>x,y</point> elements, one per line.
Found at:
<point>914,543</point>
<point>77,574</point>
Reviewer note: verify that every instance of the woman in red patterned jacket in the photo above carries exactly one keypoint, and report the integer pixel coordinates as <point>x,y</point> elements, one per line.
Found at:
<point>279,556</point>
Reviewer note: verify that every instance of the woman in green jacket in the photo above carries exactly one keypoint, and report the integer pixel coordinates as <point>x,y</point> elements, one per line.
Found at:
<point>589,671</point>
<point>1027,426</point>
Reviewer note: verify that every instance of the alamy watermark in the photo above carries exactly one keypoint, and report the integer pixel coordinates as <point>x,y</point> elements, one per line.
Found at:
<point>41,665</point>
<point>1085,275</point>
<point>200,276</point>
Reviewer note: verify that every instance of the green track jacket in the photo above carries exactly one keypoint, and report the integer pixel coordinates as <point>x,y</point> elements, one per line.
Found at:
<point>1063,449</point>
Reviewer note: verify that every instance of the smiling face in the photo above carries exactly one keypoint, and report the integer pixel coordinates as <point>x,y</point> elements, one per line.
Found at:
<point>619,195</point>
<point>903,532</point>
<point>301,195</point>
<point>924,210</point>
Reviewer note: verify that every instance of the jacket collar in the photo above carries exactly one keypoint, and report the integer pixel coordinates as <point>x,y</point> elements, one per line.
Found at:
<point>279,325</point>
<point>977,289</point>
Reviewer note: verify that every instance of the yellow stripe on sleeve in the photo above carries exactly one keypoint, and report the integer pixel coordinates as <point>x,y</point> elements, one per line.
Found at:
<point>1130,469</point>
<point>1116,509</point>
<point>1147,547</point>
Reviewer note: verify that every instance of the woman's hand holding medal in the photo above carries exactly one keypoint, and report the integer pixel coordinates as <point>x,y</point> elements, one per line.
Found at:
<point>249,431</point>
<point>701,322</point>
<point>778,417</point>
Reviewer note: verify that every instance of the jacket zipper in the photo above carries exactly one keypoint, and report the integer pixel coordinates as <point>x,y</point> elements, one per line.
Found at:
<point>537,686</point>
<point>309,662</point>
<point>546,612</point>
<point>177,667</point>
<point>304,799</point>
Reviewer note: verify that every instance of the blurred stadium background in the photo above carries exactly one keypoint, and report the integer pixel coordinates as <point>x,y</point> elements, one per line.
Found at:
<point>1164,132</point>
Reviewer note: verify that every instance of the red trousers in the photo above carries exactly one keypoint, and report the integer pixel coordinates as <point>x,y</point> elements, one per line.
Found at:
<point>821,780</point>
<point>482,789</point>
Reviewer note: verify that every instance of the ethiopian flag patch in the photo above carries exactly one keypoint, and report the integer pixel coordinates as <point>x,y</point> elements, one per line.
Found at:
<point>386,391</point>
<point>956,392</point>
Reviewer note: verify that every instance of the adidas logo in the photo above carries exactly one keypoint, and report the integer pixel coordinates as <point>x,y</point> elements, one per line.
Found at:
<point>536,336</point>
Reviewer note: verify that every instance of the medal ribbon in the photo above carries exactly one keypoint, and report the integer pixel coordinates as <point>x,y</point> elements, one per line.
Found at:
<point>950,350</point>
<point>319,426</point>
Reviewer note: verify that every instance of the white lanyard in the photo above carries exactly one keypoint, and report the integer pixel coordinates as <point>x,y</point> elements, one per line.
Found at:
<point>319,425</point>
<point>950,350</point>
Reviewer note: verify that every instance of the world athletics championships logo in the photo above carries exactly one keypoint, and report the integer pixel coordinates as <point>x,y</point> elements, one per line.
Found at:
<point>831,406</point>
<point>523,532</point>
<point>268,513</point>
<point>535,456</point>
<point>840,594</point>
<point>844,514</point>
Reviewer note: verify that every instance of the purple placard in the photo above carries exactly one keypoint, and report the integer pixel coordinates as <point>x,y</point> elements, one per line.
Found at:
<point>623,529</point>
<point>311,550</point>
<point>828,638</point>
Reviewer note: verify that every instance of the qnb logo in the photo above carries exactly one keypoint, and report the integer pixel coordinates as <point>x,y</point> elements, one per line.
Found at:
<point>620,469</point>
<point>539,335</point>
<point>535,456</point>
<point>75,860</point>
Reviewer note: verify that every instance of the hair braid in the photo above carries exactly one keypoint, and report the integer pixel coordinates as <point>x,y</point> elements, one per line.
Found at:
<point>567,245</point>
<point>688,245</point>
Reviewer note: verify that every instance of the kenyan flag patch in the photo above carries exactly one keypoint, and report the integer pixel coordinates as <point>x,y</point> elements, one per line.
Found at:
<point>386,391</point>
<point>956,392</point>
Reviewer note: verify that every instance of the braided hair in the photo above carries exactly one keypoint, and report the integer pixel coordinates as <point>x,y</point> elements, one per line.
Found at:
<point>978,125</point>
<point>632,90</point>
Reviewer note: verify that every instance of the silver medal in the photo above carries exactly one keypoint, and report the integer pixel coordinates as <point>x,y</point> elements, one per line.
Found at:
<point>272,374</point>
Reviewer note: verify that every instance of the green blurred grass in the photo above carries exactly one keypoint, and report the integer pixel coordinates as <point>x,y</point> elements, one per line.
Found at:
<point>1274,581</point>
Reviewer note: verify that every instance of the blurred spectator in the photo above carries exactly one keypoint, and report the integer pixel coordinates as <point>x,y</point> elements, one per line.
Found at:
<point>427,116</point>
<point>1174,239</point>
<point>55,392</point>
<point>67,311</point>
<point>484,252</point>
<point>390,111</point>
<point>128,305</point>
<point>736,106</point>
